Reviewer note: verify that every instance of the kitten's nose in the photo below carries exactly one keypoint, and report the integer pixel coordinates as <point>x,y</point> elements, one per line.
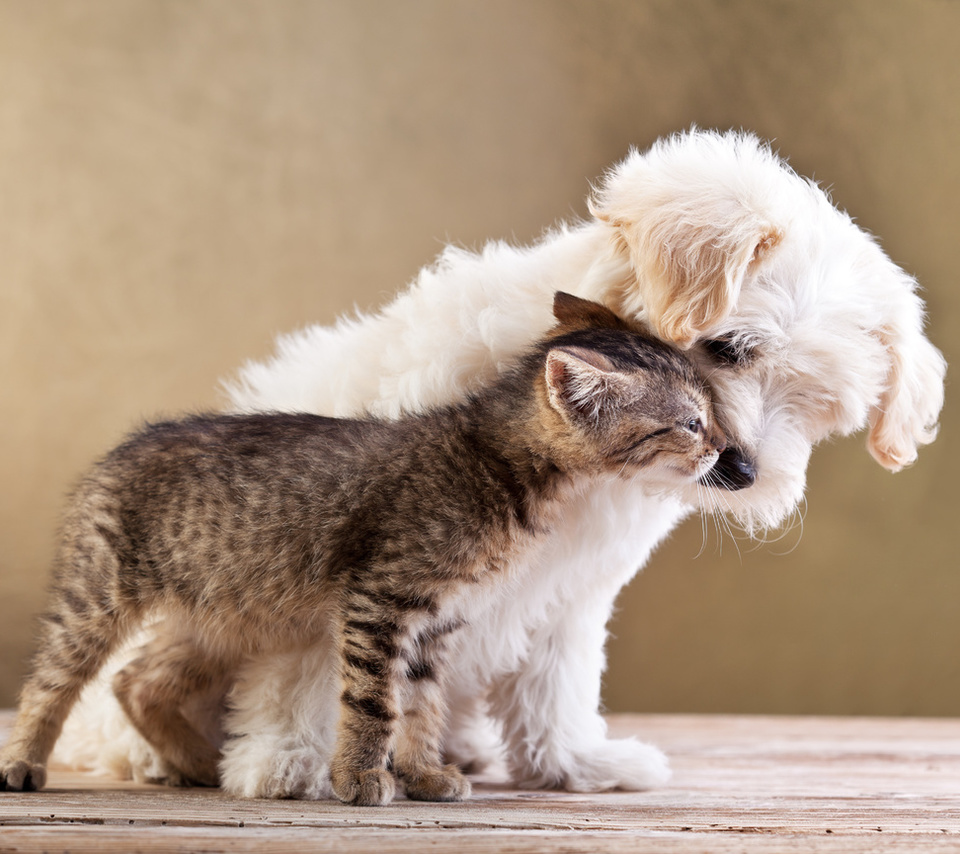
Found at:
<point>734,470</point>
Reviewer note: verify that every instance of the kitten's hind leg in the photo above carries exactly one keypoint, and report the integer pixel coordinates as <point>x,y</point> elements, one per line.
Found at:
<point>152,690</point>
<point>84,624</point>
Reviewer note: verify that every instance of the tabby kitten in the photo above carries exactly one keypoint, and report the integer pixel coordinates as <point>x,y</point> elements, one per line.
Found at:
<point>260,531</point>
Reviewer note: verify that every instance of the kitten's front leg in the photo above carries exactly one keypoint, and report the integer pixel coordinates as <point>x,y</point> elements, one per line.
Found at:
<point>369,712</point>
<point>417,756</point>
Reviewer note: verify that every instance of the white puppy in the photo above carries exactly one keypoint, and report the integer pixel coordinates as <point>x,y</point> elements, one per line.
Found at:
<point>805,328</point>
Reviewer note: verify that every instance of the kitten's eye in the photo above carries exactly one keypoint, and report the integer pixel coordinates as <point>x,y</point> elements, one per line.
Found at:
<point>695,426</point>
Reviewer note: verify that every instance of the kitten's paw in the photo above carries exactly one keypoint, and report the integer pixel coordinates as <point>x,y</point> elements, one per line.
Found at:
<point>148,767</point>
<point>177,779</point>
<point>160,772</point>
<point>18,775</point>
<point>437,784</point>
<point>201,771</point>
<point>372,787</point>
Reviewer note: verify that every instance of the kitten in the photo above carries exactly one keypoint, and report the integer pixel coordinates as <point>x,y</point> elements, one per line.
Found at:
<point>260,531</point>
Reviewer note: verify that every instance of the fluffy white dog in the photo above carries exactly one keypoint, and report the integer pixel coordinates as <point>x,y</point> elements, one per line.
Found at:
<point>805,328</point>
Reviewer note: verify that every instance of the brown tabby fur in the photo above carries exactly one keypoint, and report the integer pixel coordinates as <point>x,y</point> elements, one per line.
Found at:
<point>258,530</point>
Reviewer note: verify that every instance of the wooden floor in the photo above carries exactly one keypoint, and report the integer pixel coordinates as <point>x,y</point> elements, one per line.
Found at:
<point>740,784</point>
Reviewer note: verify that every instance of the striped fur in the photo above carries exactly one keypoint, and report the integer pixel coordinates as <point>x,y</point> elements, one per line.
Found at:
<point>259,532</point>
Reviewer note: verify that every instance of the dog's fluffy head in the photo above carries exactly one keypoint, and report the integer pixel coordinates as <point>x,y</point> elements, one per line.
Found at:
<point>804,326</point>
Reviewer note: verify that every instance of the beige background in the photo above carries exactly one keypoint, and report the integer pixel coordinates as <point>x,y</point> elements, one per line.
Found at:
<point>180,181</point>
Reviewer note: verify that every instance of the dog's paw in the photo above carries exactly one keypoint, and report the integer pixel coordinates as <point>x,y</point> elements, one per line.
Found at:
<point>437,784</point>
<point>371,787</point>
<point>18,775</point>
<point>476,748</point>
<point>619,764</point>
<point>298,772</point>
<point>611,764</point>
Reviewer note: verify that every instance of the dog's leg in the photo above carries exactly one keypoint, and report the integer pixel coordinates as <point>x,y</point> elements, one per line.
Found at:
<point>281,725</point>
<point>549,704</point>
<point>473,740</point>
<point>560,739</point>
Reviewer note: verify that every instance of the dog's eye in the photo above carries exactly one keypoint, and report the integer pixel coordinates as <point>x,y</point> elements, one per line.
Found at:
<point>729,350</point>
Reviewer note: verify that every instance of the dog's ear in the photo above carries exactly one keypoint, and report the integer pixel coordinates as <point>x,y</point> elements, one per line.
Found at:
<point>906,414</point>
<point>692,227</point>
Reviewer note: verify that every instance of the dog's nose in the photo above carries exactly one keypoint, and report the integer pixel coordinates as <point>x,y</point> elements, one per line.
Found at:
<point>733,470</point>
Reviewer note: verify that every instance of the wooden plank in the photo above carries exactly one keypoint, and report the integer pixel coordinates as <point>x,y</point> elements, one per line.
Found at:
<point>740,783</point>
<point>102,840</point>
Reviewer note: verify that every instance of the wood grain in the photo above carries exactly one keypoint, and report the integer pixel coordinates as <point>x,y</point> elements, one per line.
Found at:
<point>740,784</point>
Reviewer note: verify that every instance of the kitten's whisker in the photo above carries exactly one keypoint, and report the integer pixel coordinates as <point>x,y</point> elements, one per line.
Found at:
<point>704,530</point>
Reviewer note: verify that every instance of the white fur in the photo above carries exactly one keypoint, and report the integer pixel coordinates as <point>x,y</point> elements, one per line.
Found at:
<point>703,235</point>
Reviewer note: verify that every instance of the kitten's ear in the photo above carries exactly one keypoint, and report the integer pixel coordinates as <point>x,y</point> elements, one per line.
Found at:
<point>583,382</point>
<point>582,313</point>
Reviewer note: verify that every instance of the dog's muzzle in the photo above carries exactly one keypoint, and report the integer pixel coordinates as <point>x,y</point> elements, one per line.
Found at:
<point>733,470</point>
